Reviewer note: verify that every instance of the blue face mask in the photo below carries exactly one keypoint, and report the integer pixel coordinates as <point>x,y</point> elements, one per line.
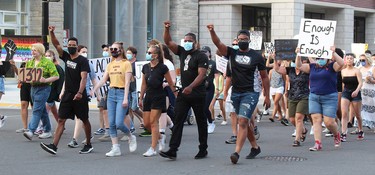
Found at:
<point>292,64</point>
<point>148,57</point>
<point>129,56</point>
<point>236,47</point>
<point>105,54</point>
<point>188,46</point>
<point>363,64</point>
<point>321,62</point>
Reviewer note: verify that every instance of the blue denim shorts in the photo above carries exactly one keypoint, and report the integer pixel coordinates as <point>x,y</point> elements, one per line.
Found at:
<point>2,85</point>
<point>347,94</point>
<point>323,104</point>
<point>245,103</point>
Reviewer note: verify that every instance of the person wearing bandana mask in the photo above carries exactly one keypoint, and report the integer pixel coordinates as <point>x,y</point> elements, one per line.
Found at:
<point>74,100</point>
<point>193,65</point>
<point>245,66</point>
<point>323,97</point>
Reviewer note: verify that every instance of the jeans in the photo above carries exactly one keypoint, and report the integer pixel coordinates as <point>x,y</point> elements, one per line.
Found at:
<point>39,96</point>
<point>183,104</point>
<point>116,112</point>
<point>323,104</point>
<point>245,103</point>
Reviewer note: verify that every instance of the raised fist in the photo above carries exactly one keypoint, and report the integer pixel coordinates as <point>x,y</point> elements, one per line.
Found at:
<point>51,28</point>
<point>11,48</point>
<point>210,27</point>
<point>167,24</point>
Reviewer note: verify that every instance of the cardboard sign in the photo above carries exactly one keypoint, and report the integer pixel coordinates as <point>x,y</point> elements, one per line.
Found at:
<point>138,73</point>
<point>18,47</point>
<point>316,37</point>
<point>359,48</point>
<point>100,64</point>
<point>269,48</point>
<point>285,49</point>
<point>29,75</point>
<point>221,64</point>
<point>256,40</point>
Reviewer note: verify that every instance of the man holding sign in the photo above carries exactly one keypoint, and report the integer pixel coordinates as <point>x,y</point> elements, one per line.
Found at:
<point>40,89</point>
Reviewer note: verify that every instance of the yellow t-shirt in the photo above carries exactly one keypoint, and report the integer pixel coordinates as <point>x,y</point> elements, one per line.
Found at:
<point>116,71</point>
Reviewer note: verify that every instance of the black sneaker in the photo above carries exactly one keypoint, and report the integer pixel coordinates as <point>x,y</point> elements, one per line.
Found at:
<point>234,157</point>
<point>50,148</point>
<point>231,140</point>
<point>201,154</point>
<point>168,154</point>
<point>86,149</point>
<point>253,153</point>
<point>145,134</point>
<point>285,122</point>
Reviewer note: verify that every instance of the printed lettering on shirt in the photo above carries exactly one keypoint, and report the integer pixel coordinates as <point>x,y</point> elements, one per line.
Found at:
<point>71,64</point>
<point>186,67</point>
<point>243,59</point>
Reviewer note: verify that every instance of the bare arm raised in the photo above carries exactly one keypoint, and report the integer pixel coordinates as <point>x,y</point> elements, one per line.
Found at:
<point>168,39</point>
<point>215,39</point>
<point>54,40</point>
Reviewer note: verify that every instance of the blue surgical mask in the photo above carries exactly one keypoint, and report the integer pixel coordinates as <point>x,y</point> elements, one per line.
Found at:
<point>105,54</point>
<point>129,56</point>
<point>363,64</point>
<point>188,46</point>
<point>292,64</point>
<point>321,62</point>
<point>236,47</point>
<point>148,57</point>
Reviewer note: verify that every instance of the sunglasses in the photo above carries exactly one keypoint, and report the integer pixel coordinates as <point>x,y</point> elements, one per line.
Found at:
<point>113,49</point>
<point>319,58</point>
<point>362,60</point>
<point>234,44</point>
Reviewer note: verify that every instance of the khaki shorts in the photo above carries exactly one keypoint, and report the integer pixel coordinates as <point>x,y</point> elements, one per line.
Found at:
<point>298,106</point>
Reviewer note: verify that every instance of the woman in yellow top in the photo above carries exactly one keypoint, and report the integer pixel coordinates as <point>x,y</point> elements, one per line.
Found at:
<point>118,72</point>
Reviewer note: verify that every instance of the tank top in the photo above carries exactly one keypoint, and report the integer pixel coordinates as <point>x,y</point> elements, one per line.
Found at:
<point>350,83</point>
<point>276,80</point>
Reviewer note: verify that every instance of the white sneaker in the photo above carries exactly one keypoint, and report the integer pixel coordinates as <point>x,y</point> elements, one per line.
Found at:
<point>115,151</point>
<point>45,135</point>
<point>211,128</point>
<point>265,112</point>
<point>326,130</point>
<point>28,135</point>
<point>2,120</point>
<point>224,122</point>
<point>312,130</point>
<point>132,143</point>
<point>150,152</point>
<point>125,138</point>
<point>294,133</point>
<point>21,130</point>
<point>161,142</point>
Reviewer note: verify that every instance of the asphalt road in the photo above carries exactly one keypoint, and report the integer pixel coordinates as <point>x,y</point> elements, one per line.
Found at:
<point>20,156</point>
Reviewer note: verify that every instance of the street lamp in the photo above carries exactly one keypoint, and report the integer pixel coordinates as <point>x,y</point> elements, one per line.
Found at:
<point>45,21</point>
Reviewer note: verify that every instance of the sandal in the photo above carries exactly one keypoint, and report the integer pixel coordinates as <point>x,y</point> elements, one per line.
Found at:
<point>271,119</point>
<point>303,137</point>
<point>296,143</point>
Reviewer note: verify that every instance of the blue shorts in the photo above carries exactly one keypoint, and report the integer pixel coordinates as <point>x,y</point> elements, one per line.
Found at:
<point>2,85</point>
<point>245,103</point>
<point>347,94</point>
<point>51,104</point>
<point>133,100</point>
<point>323,104</point>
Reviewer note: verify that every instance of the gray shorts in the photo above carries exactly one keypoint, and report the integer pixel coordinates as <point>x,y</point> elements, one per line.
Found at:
<point>103,103</point>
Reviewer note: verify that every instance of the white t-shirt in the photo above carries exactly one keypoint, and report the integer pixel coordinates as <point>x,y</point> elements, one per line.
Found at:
<point>169,64</point>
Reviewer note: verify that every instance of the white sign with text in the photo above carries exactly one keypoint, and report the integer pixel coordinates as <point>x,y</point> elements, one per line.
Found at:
<point>221,64</point>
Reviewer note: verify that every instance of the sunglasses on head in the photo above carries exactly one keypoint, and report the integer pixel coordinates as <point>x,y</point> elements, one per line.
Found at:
<point>113,49</point>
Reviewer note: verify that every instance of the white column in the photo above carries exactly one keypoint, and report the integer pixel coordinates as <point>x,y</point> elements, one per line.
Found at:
<point>370,32</point>
<point>286,19</point>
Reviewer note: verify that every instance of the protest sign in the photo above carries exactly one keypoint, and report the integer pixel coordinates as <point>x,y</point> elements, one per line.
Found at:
<point>269,48</point>
<point>359,48</point>
<point>221,64</point>
<point>256,40</point>
<point>18,47</point>
<point>29,75</point>
<point>100,64</point>
<point>285,49</point>
<point>316,37</point>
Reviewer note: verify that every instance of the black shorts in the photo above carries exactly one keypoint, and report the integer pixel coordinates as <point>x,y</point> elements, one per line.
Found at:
<point>155,102</point>
<point>347,94</point>
<point>70,108</point>
<point>25,92</point>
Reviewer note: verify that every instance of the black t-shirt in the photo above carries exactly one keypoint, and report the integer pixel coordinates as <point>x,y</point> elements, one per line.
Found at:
<point>73,69</point>
<point>211,71</point>
<point>299,84</point>
<point>154,77</point>
<point>189,64</point>
<point>133,84</point>
<point>243,68</point>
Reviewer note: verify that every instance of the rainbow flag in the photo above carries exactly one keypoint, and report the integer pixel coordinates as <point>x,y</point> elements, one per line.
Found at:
<point>23,43</point>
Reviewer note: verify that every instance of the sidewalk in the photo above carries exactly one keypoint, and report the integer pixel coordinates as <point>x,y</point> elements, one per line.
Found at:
<point>11,98</point>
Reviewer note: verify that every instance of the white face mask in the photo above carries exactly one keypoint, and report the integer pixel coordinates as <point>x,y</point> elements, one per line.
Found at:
<point>84,54</point>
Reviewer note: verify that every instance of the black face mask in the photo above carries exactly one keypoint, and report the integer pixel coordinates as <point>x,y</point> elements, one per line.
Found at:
<point>72,50</point>
<point>115,53</point>
<point>243,45</point>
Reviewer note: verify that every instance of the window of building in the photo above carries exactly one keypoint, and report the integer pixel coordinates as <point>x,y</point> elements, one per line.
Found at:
<point>359,29</point>
<point>14,17</point>
<point>312,15</point>
<point>257,19</point>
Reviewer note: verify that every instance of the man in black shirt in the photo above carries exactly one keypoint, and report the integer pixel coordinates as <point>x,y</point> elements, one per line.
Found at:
<point>193,64</point>
<point>245,69</point>
<point>74,100</point>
